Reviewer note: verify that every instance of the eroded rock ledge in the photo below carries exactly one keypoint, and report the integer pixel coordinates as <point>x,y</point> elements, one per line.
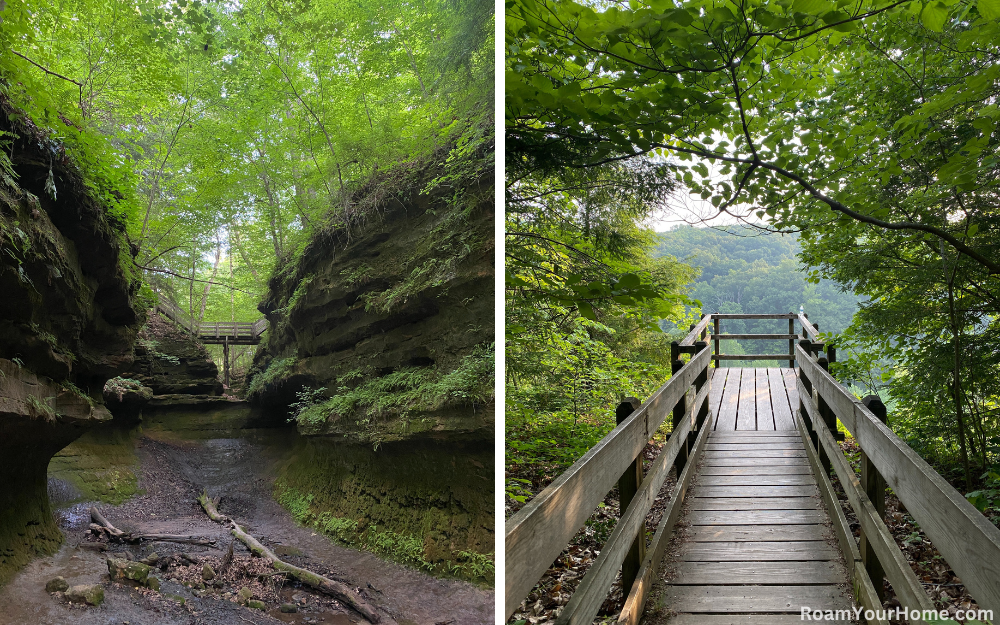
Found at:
<point>68,318</point>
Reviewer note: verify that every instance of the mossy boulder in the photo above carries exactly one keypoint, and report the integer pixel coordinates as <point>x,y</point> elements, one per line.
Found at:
<point>121,570</point>
<point>91,594</point>
<point>57,584</point>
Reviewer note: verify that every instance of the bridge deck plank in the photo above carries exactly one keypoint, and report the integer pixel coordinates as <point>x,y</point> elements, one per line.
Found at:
<point>757,543</point>
<point>751,503</point>
<point>746,416</point>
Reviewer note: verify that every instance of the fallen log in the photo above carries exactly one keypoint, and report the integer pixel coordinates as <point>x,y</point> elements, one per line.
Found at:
<point>210,508</point>
<point>172,538</point>
<point>336,589</point>
<point>98,518</point>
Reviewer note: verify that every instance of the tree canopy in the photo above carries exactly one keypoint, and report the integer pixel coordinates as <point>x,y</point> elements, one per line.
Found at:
<point>225,134</point>
<point>871,127</point>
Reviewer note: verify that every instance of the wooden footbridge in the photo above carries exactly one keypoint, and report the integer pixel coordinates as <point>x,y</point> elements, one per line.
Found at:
<point>223,333</point>
<point>758,531</point>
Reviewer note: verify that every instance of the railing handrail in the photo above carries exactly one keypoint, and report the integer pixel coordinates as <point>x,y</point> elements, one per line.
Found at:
<point>701,331</point>
<point>219,329</point>
<point>537,534</point>
<point>967,540</point>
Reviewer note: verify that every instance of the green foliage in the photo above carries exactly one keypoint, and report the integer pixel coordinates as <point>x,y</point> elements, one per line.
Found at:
<point>277,370</point>
<point>225,137</point>
<point>119,386</point>
<point>38,407</point>
<point>987,498</point>
<point>372,398</point>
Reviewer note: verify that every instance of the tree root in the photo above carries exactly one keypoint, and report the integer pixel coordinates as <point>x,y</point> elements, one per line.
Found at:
<point>210,508</point>
<point>336,589</point>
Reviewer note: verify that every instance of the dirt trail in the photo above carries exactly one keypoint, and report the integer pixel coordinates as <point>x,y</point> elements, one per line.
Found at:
<point>172,474</point>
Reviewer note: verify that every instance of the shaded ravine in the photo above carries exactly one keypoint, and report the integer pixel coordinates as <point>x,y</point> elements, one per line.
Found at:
<point>173,468</point>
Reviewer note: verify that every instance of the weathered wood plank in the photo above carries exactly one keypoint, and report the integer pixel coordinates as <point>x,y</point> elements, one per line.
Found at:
<point>729,533</point>
<point>765,414</point>
<point>860,581</point>
<point>649,569</point>
<point>909,591</point>
<point>592,591</point>
<point>692,336</point>
<point>714,445</point>
<point>751,503</point>
<point>755,491</point>
<point>726,421</point>
<point>756,470</point>
<point>810,550</point>
<point>967,540</point>
<point>753,453</point>
<point>754,316</point>
<point>752,435</point>
<point>715,396</point>
<point>752,440</point>
<point>775,357</point>
<point>756,517</point>
<point>793,396</point>
<point>783,411</point>
<point>759,573</point>
<point>780,599</point>
<point>745,619</point>
<point>537,533</point>
<point>746,413</point>
<point>729,461</point>
<point>772,337</point>
<point>755,480</point>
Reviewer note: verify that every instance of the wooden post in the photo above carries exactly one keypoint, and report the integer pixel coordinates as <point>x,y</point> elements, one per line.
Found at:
<point>225,358</point>
<point>700,382</point>
<point>718,350</point>
<point>806,345</point>
<point>704,332</point>
<point>680,408</point>
<point>828,417</point>
<point>791,343</point>
<point>874,486</point>
<point>628,485</point>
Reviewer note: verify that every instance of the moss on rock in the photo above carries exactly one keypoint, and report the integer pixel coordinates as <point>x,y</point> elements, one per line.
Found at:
<point>422,504</point>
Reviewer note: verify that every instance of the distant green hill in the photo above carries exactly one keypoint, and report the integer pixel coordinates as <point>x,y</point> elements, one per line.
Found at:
<point>745,271</point>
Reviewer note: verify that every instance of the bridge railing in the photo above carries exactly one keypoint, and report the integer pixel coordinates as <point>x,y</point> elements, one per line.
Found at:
<point>965,538</point>
<point>715,320</point>
<point>211,329</point>
<point>537,534</point>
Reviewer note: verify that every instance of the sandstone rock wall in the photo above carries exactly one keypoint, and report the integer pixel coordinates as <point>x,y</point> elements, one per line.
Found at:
<point>68,317</point>
<point>388,325</point>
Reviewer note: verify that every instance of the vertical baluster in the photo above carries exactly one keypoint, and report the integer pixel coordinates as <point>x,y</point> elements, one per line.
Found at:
<point>874,486</point>
<point>791,343</point>
<point>718,350</point>
<point>628,485</point>
<point>680,408</point>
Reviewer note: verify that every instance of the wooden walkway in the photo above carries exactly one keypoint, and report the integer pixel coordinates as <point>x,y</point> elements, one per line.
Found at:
<point>754,527</point>
<point>758,543</point>
<point>749,399</point>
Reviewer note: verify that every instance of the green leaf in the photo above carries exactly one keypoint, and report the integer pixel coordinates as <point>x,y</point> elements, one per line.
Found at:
<point>989,9</point>
<point>934,16</point>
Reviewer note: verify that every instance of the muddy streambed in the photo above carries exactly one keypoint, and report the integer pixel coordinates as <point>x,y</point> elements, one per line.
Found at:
<point>153,475</point>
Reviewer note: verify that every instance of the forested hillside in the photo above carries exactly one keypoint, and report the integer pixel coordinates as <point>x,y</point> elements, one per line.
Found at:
<point>747,270</point>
